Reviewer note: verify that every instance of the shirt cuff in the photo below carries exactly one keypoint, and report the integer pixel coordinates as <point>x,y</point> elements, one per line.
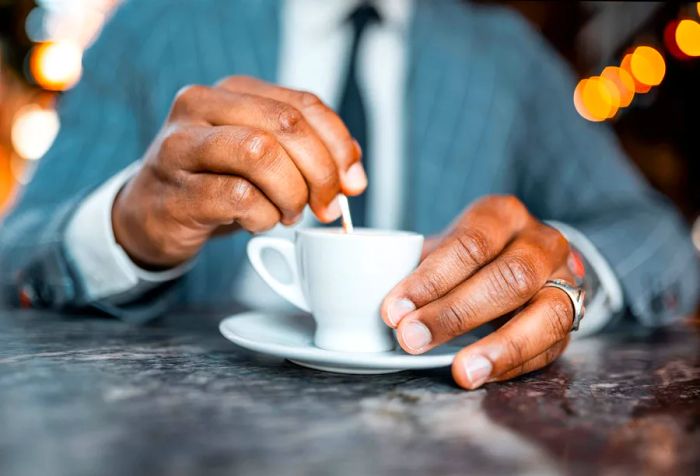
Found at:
<point>105,269</point>
<point>608,299</point>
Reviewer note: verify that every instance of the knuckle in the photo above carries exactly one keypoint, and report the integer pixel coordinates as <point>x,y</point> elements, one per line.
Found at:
<point>428,288</point>
<point>242,195</point>
<point>514,352</point>
<point>256,145</point>
<point>233,81</point>
<point>298,200</point>
<point>559,242</point>
<point>206,199</point>
<point>289,119</point>
<point>559,316</point>
<point>512,203</point>
<point>454,319</point>
<point>215,141</point>
<point>326,178</point>
<point>506,205</point>
<point>549,245</point>
<point>473,248</point>
<point>308,100</point>
<point>520,276</point>
<point>174,143</point>
<point>189,95</point>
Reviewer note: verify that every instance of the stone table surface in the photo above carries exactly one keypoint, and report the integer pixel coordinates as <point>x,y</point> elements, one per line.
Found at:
<point>82,395</point>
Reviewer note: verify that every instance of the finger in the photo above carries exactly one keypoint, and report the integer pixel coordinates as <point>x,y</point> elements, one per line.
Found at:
<point>502,286</point>
<point>255,155</point>
<point>219,107</point>
<point>473,242</point>
<point>327,124</point>
<point>225,200</point>
<point>544,322</point>
<point>535,363</point>
<point>430,245</point>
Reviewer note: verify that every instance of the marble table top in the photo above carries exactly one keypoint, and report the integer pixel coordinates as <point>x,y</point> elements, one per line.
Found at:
<point>82,395</point>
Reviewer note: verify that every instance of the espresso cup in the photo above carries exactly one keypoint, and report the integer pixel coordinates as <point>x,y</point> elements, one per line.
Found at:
<point>341,279</point>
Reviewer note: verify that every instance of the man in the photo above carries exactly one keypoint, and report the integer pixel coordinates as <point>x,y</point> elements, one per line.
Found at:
<point>190,126</point>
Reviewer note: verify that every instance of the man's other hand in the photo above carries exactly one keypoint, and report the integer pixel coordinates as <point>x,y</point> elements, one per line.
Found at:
<point>242,154</point>
<point>489,267</point>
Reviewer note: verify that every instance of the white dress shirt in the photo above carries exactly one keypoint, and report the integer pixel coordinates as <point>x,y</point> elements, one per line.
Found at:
<point>314,54</point>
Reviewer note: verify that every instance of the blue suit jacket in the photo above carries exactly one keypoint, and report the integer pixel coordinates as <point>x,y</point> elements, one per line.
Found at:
<point>489,111</point>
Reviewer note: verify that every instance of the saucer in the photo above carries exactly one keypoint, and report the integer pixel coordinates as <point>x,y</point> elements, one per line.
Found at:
<point>290,336</point>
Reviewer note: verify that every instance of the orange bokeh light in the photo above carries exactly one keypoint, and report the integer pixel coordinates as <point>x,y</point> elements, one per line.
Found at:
<point>625,64</point>
<point>596,98</point>
<point>670,40</point>
<point>623,82</point>
<point>578,100</point>
<point>56,66</point>
<point>688,37</point>
<point>7,182</point>
<point>647,65</point>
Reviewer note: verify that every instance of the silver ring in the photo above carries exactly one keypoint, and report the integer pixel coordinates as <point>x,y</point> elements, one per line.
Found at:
<point>577,296</point>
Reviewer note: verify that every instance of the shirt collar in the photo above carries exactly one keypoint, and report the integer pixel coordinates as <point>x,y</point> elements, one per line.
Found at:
<point>322,15</point>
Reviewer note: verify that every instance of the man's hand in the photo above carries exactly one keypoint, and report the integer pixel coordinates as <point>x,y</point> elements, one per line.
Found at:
<point>242,154</point>
<point>492,263</point>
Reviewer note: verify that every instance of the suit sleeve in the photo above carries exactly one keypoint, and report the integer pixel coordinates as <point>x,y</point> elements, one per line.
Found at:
<point>99,136</point>
<point>574,171</point>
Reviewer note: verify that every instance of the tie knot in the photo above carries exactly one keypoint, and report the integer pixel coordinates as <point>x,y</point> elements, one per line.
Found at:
<point>362,16</point>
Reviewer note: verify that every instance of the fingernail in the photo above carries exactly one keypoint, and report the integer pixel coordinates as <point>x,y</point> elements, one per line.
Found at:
<point>397,309</point>
<point>478,369</point>
<point>333,210</point>
<point>355,177</point>
<point>415,335</point>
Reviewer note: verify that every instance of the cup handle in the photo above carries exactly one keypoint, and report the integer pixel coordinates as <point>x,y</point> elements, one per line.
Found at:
<point>290,291</point>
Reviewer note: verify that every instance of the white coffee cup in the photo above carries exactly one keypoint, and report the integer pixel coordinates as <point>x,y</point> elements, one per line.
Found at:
<point>342,279</point>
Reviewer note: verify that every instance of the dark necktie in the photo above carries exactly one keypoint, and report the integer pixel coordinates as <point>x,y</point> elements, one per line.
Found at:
<point>352,109</point>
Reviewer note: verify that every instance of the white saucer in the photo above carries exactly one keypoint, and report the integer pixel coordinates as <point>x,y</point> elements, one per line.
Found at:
<point>291,337</point>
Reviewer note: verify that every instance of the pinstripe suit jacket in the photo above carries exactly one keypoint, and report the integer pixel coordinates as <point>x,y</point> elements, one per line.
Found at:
<point>489,111</point>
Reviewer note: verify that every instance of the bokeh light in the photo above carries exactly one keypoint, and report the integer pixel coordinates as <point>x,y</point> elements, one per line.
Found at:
<point>670,41</point>
<point>22,170</point>
<point>647,65</point>
<point>688,37</point>
<point>623,82</point>
<point>33,131</point>
<point>6,181</point>
<point>596,98</point>
<point>578,100</point>
<point>696,233</point>
<point>626,64</point>
<point>56,66</point>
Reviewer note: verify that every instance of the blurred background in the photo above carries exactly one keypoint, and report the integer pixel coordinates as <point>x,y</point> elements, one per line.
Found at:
<point>638,65</point>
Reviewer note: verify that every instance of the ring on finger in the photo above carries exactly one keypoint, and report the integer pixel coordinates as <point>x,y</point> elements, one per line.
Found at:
<point>576,294</point>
